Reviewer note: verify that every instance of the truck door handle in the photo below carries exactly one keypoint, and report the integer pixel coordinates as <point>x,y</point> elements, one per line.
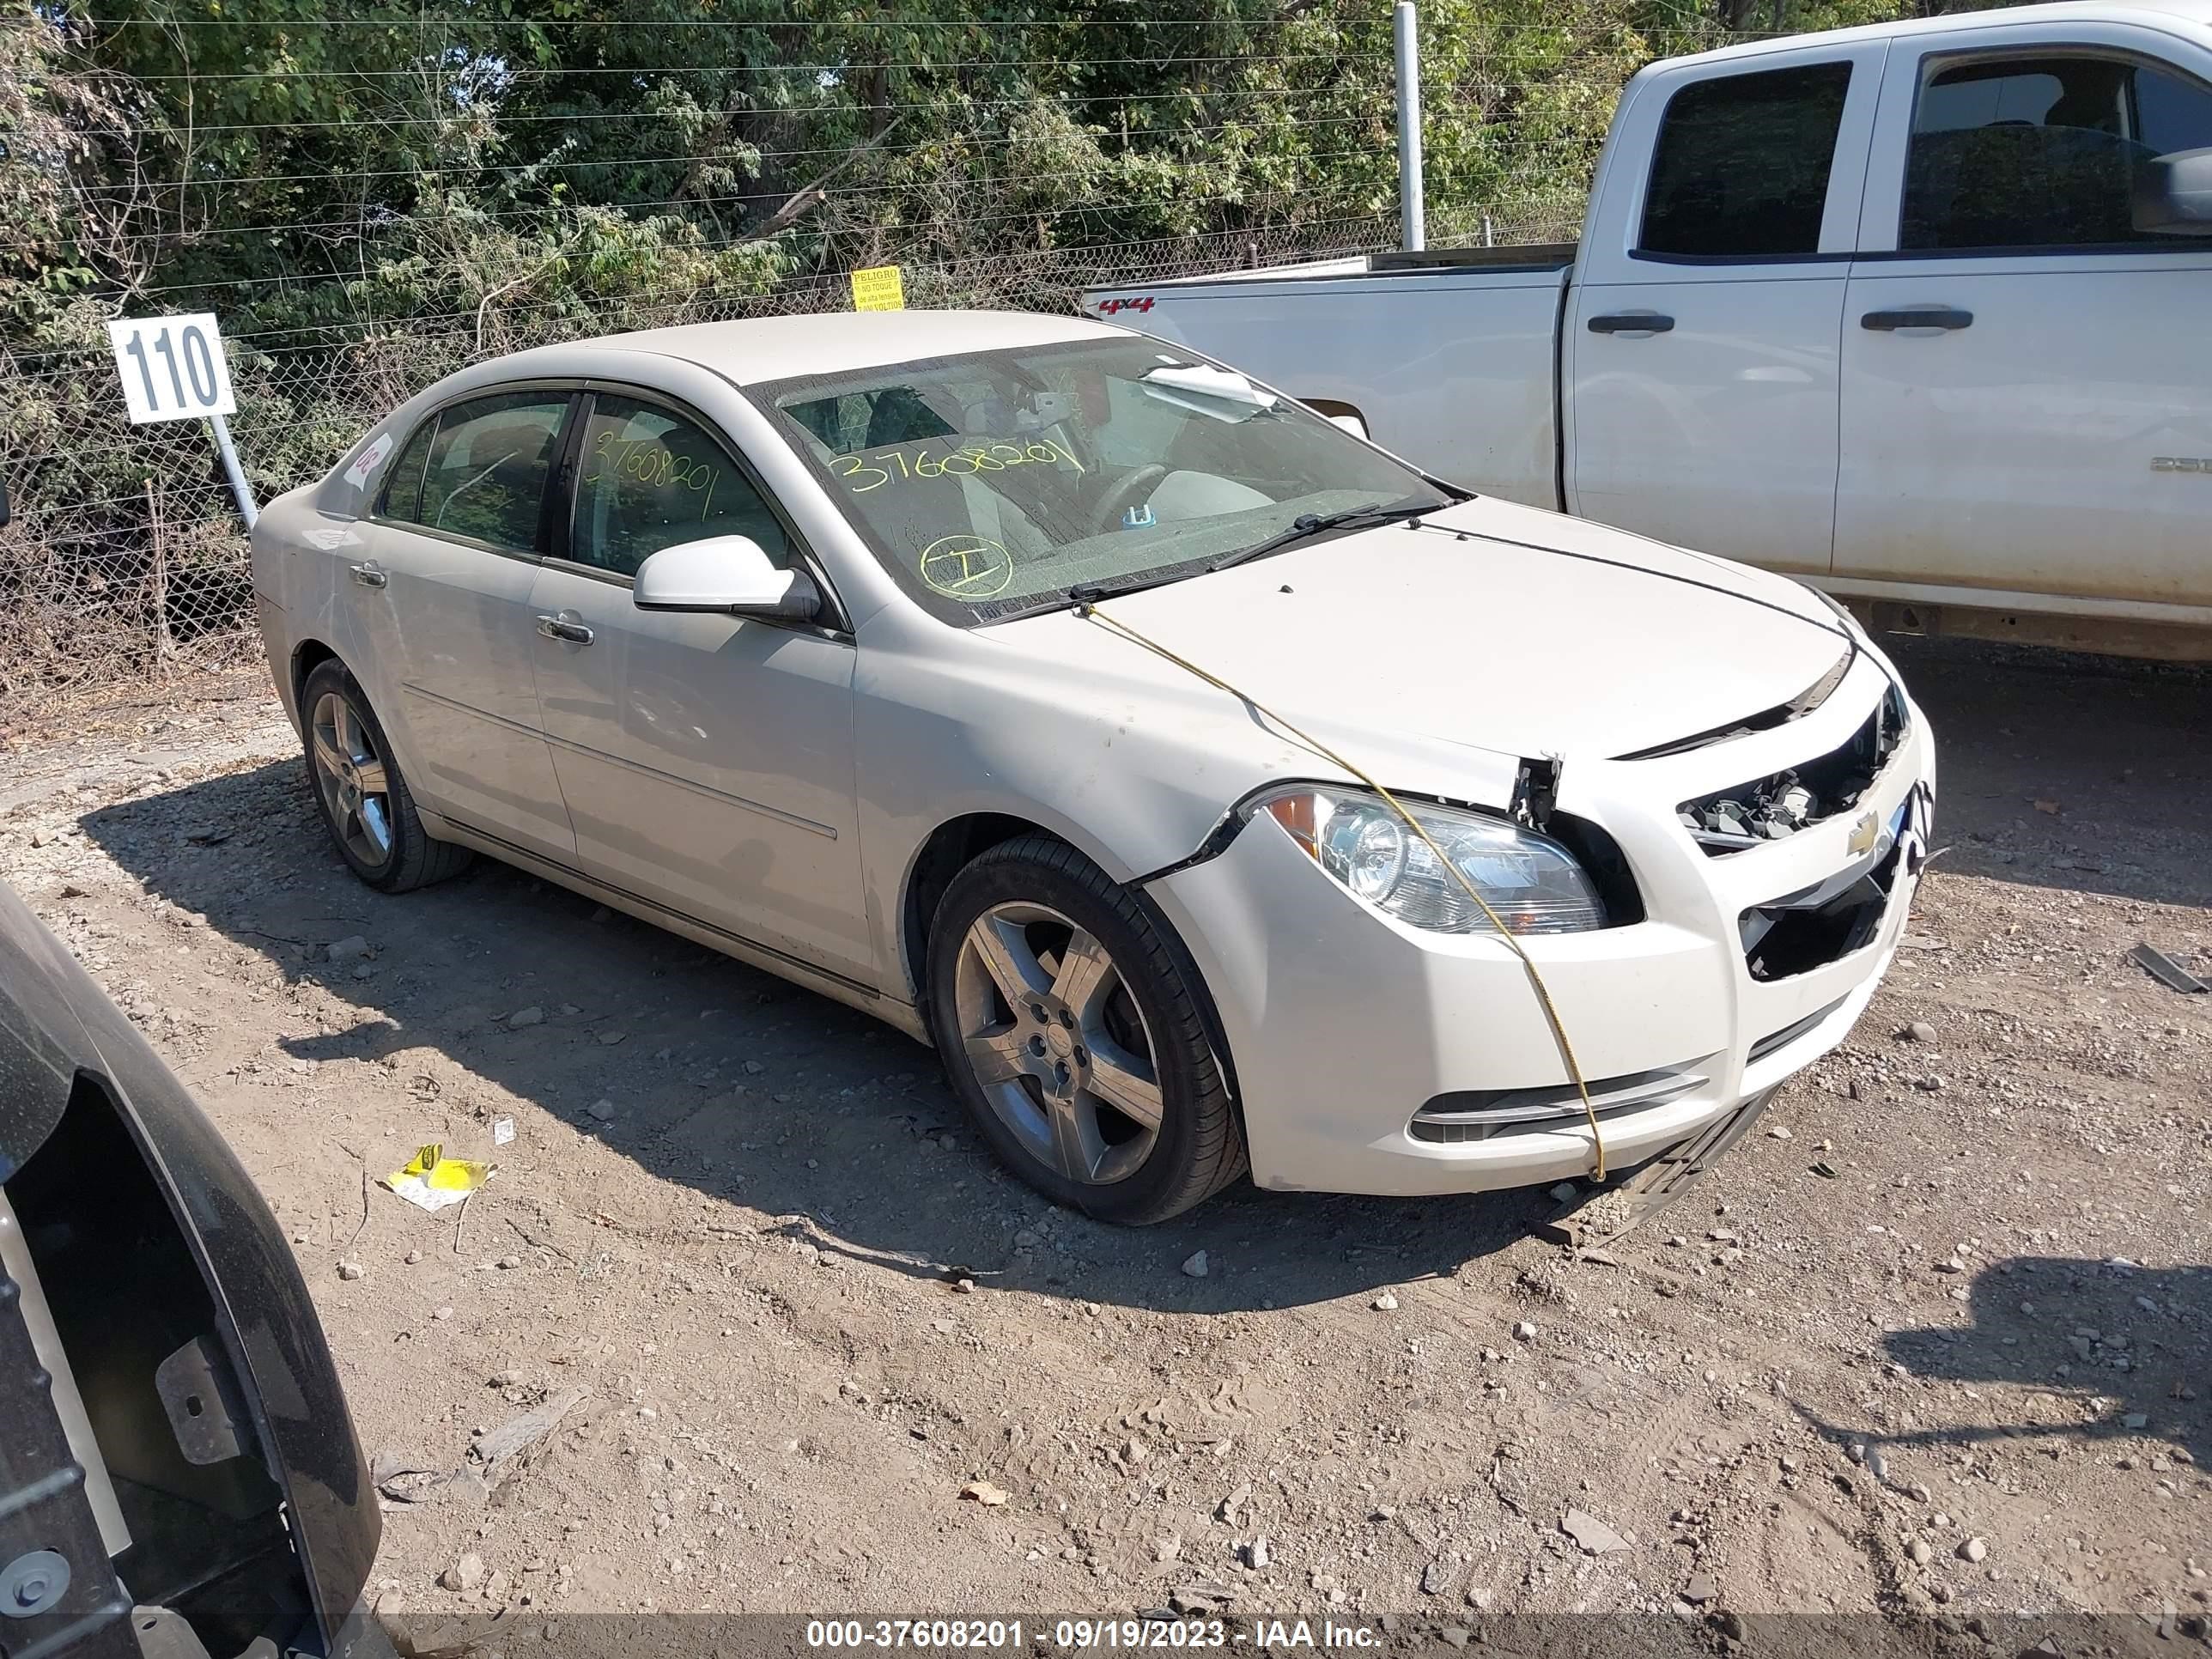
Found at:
<point>369,574</point>
<point>564,626</point>
<point>1911,317</point>
<point>1631,322</point>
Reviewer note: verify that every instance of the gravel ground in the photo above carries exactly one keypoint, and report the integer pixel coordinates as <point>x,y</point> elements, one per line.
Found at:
<point>791,1310</point>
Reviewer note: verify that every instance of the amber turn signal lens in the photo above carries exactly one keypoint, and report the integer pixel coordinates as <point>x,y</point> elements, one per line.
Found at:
<point>1297,813</point>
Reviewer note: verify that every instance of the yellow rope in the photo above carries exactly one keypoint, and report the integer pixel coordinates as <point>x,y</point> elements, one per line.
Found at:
<point>1092,613</point>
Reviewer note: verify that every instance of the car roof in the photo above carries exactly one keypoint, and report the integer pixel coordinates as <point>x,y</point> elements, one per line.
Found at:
<point>2056,15</point>
<point>753,349</point>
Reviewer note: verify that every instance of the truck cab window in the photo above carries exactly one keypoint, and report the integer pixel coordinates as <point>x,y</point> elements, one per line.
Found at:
<point>1740,168</point>
<point>2030,151</point>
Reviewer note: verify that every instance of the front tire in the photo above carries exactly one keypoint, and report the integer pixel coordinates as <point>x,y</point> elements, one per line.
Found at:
<point>364,800</point>
<point>1072,1028</point>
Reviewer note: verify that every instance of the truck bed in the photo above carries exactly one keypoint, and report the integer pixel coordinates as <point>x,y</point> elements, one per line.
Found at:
<point>1463,385</point>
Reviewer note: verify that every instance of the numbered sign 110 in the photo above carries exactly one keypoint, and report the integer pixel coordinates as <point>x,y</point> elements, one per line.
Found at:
<point>172,367</point>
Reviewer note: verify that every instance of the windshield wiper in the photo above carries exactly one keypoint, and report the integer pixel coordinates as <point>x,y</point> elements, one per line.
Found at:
<point>1092,592</point>
<point>1307,525</point>
<point>1303,528</point>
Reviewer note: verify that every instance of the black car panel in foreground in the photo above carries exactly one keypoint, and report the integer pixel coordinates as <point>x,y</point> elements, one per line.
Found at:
<point>178,1469</point>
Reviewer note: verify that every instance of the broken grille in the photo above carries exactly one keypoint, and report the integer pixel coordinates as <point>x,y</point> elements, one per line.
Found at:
<point>1776,807</point>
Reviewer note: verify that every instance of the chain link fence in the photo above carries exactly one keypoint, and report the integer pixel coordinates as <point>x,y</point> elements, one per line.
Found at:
<point>99,584</point>
<point>126,559</point>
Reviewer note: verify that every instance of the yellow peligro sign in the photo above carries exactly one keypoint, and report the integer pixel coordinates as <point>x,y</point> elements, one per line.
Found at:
<point>878,289</point>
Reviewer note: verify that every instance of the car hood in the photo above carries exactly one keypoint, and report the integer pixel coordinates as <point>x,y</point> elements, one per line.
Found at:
<point>1503,628</point>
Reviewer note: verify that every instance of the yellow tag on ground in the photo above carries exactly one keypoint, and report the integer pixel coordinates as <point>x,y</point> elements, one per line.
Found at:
<point>878,289</point>
<point>431,1181</point>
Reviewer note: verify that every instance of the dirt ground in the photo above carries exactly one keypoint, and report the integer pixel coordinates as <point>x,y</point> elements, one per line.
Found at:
<point>1964,1376</point>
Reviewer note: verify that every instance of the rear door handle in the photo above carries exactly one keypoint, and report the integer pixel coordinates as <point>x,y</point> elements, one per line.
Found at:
<point>565,626</point>
<point>1916,317</point>
<point>369,574</point>
<point>1631,322</point>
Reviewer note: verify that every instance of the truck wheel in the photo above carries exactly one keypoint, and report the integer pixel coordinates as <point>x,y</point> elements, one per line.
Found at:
<point>1071,1029</point>
<point>357,785</point>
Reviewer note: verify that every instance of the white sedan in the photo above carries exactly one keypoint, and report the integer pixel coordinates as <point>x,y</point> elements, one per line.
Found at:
<point>1207,785</point>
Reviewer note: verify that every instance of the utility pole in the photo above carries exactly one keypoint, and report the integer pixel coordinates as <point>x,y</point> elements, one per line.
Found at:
<point>1410,204</point>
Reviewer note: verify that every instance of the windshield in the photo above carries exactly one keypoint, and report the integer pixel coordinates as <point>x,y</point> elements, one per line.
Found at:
<point>992,484</point>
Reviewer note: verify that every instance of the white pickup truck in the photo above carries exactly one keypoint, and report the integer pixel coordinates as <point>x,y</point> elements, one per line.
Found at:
<point>1919,313</point>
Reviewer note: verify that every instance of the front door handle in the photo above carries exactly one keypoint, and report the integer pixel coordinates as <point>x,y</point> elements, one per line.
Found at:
<point>369,574</point>
<point>564,625</point>
<point>1631,322</point>
<point>1916,317</point>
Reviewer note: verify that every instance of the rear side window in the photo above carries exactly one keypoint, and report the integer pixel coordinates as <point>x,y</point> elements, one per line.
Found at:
<point>1740,169</point>
<point>486,471</point>
<point>402,486</point>
<point>648,479</point>
<point>2037,151</point>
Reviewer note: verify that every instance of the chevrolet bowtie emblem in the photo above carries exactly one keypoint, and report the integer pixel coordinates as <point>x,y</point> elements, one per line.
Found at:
<point>1863,833</point>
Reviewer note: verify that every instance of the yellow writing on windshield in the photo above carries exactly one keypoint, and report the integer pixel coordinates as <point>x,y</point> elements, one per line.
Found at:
<point>921,462</point>
<point>966,566</point>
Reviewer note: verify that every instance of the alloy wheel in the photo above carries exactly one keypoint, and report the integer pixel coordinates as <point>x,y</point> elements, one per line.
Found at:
<point>1057,1042</point>
<point>351,774</point>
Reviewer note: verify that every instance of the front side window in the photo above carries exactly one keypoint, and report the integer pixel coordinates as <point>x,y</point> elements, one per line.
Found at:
<point>1740,169</point>
<point>648,479</point>
<point>998,483</point>
<point>488,462</point>
<point>2036,151</point>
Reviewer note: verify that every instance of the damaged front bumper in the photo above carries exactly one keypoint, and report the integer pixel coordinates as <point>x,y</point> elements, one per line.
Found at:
<point>1373,1057</point>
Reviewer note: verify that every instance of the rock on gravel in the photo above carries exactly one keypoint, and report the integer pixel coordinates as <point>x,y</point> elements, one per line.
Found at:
<point>1194,1266</point>
<point>466,1574</point>
<point>349,1270</point>
<point>1594,1537</point>
<point>1974,1549</point>
<point>524,1016</point>
<point>352,948</point>
<point>1385,1302</point>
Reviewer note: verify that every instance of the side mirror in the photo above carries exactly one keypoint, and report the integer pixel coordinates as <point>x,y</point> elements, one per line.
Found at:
<point>2172,194</point>
<point>727,576</point>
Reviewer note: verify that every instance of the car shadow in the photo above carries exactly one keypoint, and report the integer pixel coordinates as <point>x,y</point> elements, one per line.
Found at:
<point>738,1084</point>
<point>703,1070</point>
<point>2060,769</point>
<point>2114,1356</point>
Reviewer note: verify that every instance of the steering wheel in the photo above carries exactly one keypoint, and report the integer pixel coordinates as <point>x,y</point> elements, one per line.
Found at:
<point>1135,489</point>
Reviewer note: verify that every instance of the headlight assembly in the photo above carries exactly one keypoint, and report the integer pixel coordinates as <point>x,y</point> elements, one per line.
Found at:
<point>1532,883</point>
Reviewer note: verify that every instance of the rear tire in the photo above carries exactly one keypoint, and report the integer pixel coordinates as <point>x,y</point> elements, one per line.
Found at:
<point>1072,1028</point>
<point>359,790</point>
